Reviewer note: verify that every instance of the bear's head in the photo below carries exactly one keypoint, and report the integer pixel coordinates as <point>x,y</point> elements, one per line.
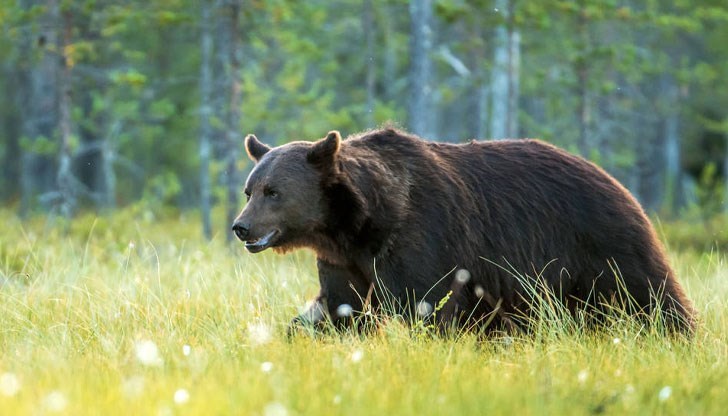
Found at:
<point>287,205</point>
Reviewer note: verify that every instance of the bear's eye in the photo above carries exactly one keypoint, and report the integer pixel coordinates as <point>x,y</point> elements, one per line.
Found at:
<point>270,193</point>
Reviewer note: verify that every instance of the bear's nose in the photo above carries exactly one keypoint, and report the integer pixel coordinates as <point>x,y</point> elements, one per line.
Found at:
<point>241,230</point>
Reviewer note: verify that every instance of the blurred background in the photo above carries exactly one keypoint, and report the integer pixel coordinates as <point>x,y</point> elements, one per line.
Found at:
<point>144,104</point>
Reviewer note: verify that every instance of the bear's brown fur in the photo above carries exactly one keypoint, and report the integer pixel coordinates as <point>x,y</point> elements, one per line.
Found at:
<point>391,217</point>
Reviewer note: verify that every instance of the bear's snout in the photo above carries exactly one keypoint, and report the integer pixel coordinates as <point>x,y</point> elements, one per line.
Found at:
<point>242,231</point>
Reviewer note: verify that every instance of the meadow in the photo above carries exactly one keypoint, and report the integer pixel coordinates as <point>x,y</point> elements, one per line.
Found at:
<point>136,315</point>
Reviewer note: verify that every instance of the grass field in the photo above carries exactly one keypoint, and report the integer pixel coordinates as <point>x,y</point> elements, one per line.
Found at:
<point>121,315</point>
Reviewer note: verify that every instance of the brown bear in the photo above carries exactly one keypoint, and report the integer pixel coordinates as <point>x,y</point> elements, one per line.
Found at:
<point>481,229</point>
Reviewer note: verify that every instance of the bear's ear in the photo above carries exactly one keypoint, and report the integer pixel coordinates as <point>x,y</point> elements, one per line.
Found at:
<point>323,152</point>
<point>255,148</point>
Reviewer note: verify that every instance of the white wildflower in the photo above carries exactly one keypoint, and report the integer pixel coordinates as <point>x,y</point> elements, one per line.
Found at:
<point>275,409</point>
<point>266,367</point>
<point>664,393</point>
<point>147,353</point>
<point>344,310</point>
<point>55,401</point>
<point>133,387</point>
<point>479,291</point>
<point>9,384</point>
<point>462,276</point>
<point>424,309</point>
<point>582,376</point>
<point>259,333</point>
<point>181,396</point>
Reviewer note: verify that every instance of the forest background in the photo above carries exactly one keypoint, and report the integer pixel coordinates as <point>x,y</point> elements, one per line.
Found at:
<point>144,104</point>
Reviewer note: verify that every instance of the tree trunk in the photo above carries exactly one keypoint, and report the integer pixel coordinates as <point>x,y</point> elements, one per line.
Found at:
<point>483,93</point>
<point>673,174</point>
<point>505,75</point>
<point>205,114</point>
<point>11,129</point>
<point>389,59</point>
<point>514,70</point>
<point>582,75</point>
<point>232,133</point>
<point>420,67</point>
<point>40,107</point>
<point>482,90</point>
<point>368,28</point>
<point>66,182</point>
<point>96,158</point>
<point>108,155</point>
<point>92,161</point>
<point>651,164</point>
<point>583,111</point>
<point>87,159</point>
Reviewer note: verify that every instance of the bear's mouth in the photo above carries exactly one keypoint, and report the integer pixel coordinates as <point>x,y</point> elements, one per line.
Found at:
<point>262,243</point>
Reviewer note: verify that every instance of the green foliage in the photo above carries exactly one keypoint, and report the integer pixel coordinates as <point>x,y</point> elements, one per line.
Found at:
<point>129,78</point>
<point>40,145</point>
<point>709,192</point>
<point>161,191</point>
<point>699,234</point>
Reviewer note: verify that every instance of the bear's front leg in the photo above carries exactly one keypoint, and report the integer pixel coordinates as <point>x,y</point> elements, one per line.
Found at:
<point>344,298</point>
<point>346,294</point>
<point>314,317</point>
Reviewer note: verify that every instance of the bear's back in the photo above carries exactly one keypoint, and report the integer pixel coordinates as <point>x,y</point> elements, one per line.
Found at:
<point>526,173</point>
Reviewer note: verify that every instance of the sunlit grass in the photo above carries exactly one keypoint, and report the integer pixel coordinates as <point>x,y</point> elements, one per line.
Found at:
<point>120,315</point>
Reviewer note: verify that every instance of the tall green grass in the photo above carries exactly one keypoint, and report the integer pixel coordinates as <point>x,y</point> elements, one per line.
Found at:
<point>126,315</point>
